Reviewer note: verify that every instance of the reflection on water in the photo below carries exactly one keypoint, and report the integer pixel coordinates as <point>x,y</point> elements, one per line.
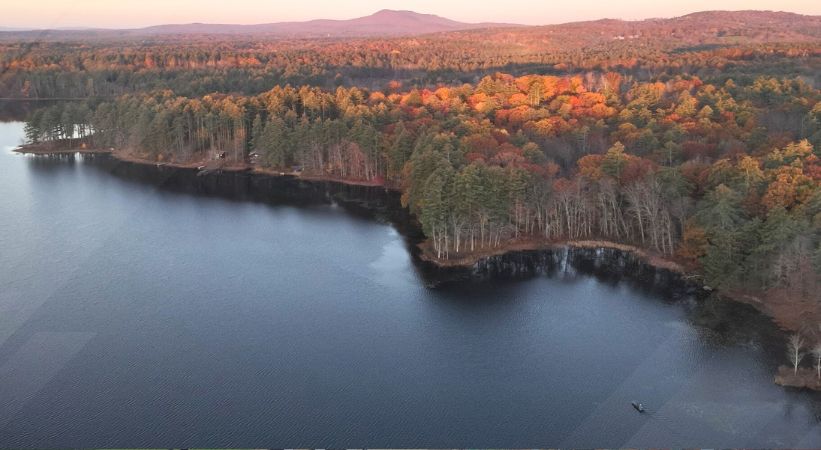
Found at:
<point>144,305</point>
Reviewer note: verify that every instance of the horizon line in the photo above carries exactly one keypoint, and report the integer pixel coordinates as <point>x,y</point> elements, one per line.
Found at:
<point>12,28</point>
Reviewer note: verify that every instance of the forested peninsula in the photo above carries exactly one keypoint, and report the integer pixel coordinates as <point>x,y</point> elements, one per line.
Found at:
<point>722,178</point>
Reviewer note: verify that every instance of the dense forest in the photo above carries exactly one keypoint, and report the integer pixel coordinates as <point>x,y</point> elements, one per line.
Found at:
<point>714,46</point>
<point>725,176</point>
<point>696,142</point>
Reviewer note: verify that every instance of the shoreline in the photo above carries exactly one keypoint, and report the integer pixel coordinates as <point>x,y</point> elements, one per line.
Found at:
<point>44,150</point>
<point>469,259</point>
<point>803,378</point>
<point>788,315</point>
<point>203,166</point>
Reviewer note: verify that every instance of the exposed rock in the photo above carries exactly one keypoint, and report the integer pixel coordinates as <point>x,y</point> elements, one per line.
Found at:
<point>805,378</point>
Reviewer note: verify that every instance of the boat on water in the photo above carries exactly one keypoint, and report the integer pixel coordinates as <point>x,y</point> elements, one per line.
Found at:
<point>639,407</point>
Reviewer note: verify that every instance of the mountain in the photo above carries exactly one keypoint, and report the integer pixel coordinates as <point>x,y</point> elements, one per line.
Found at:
<point>382,23</point>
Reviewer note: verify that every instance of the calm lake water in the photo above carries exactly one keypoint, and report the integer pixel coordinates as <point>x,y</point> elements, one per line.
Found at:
<point>142,307</point>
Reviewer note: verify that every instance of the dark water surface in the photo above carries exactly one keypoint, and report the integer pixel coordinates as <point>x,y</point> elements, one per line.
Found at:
<point>261,312</point>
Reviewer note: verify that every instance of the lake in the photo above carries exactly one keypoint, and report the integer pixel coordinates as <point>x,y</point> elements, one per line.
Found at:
<point>144,306</point>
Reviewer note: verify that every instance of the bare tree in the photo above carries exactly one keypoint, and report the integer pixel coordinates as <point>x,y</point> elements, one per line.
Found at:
<point>794,351</point>
<point>816,352</point>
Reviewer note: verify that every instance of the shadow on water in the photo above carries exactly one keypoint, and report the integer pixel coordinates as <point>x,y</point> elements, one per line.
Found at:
<point>719,323</point>
<point>52,163</point>
<point>362,202</point>
<point>609,266</point>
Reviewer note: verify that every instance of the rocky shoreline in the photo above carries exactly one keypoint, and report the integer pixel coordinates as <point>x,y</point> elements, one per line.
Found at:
<point>804,378</point>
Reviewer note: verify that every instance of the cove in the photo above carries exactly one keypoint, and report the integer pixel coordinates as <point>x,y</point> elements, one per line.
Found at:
<point>143,305</point>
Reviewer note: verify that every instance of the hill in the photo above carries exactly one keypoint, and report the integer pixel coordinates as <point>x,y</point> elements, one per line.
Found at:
<point>692,30</point>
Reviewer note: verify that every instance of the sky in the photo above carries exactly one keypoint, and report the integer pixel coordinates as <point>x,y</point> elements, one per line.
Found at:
<point>131,13</point>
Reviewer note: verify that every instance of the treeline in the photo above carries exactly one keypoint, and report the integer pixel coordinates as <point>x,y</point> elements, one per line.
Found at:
<point>726,176</point>
<point>199,66</point>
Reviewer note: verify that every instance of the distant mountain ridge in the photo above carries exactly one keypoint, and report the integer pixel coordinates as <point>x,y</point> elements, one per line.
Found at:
<point>693,30</point>
<point>703,27</point>
<point>382,23</point>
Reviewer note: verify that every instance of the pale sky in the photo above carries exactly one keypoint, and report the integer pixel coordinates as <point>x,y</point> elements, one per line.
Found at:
<point>131,13</point>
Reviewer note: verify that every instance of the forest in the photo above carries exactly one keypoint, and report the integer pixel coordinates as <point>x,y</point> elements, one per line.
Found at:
<point>701,147</point>
<point>714,46</point>
<point>726,177</point>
